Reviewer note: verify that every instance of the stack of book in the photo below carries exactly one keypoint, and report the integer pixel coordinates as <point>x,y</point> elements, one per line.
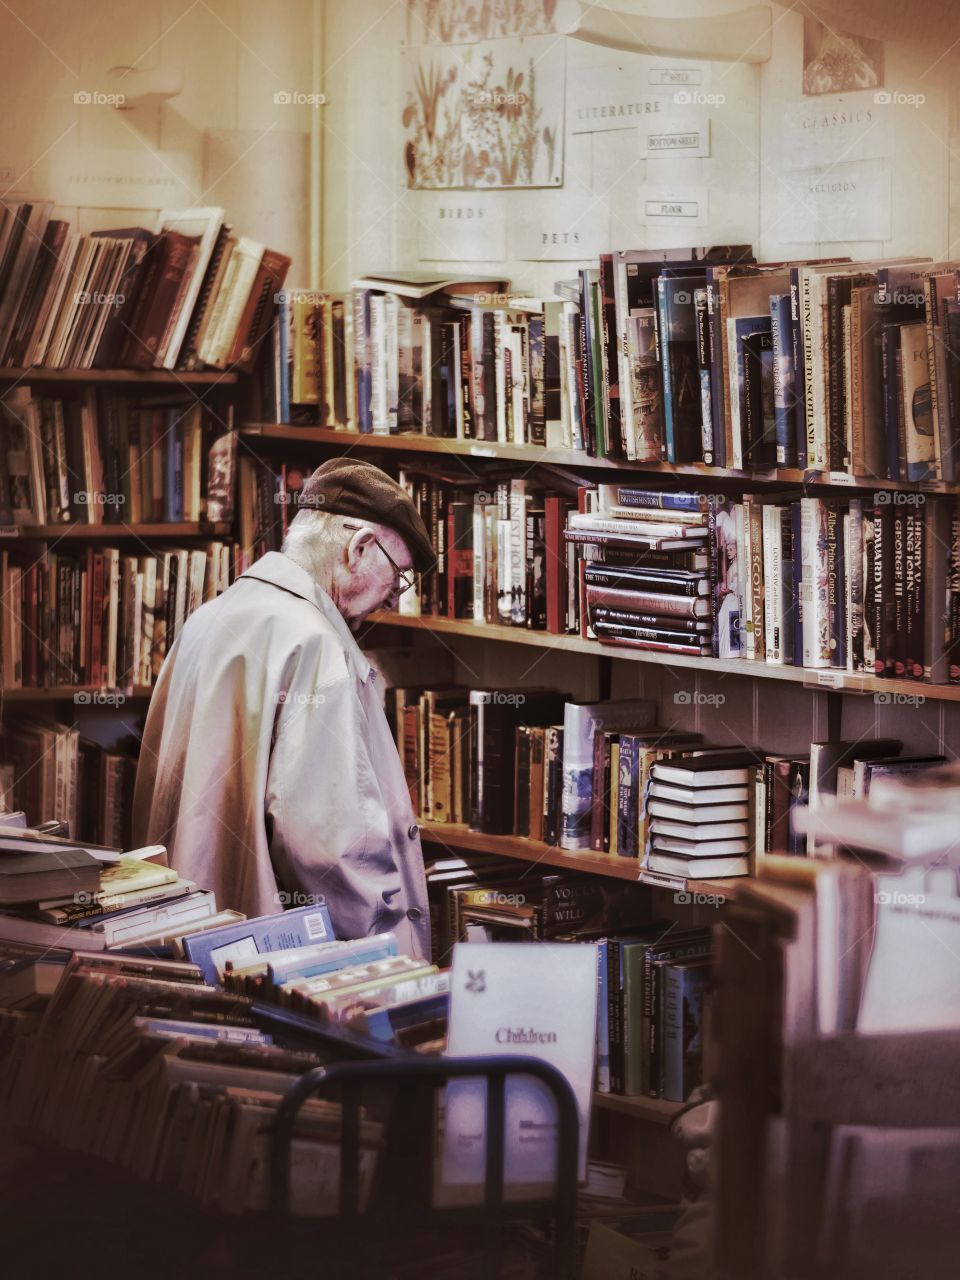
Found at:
<point>185,294</point>
<point>644,569</point>
<point>699,815</point>
<point>55,892</point>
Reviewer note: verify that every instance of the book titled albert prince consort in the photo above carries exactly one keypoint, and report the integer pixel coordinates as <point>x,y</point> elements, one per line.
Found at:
<point>539,1002</point>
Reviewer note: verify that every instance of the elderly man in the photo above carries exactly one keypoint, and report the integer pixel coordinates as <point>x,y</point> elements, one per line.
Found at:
<point>267,767</point>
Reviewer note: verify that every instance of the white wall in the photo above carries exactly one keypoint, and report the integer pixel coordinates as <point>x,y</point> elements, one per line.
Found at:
<point>759,134</point>
<point>223,140</point>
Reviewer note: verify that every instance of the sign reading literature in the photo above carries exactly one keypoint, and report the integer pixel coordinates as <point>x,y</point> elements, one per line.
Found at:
<point>605,99</point>
<point>460,227</point>
<point>538,1001</point>
<point>838,202</point>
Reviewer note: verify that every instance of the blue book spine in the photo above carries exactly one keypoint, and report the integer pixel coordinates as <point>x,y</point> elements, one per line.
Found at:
<point>800,399</point>
<point>283,320</point>
<point>384,1023</point>
<point>356,953</point>
<point>627,497</point>
<point>669,425</point>
<point>783,378</point>
<point>173,478</point>
<point>297,927</point>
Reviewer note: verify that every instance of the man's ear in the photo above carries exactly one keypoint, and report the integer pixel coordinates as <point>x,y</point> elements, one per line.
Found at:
<point>358,548</point>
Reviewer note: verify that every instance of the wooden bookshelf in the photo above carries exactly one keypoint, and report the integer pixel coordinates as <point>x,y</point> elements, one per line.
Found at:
<point>828,679</point>
<point>70,693</point>
<point>575,458</point>
<point>109,532</point>
<point>164,377</point>
<point>453,835</point>
<point>655,1110</point>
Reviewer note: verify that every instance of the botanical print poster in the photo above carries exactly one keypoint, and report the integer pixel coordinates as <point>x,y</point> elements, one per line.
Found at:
<point>463,21</point>
<point>484,115</point>
<point>836,62</point>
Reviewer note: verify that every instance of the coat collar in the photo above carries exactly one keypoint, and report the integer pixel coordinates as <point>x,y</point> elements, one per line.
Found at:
<point>278,570</point>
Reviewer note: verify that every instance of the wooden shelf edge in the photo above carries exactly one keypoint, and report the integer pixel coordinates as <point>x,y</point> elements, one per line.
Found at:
<point>826,680</point>
<point>83,695</point>
<point>456,836</point>
<point>92,532</point>
<point>653,1110</point>
<point>200,377</point>
<point>415,443</point>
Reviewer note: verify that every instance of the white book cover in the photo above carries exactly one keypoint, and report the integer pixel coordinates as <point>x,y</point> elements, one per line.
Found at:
<point>532,1002</point>
<point>581,720</point>
<point>773,620</point>
<point>203,223</point>
<point>919,995</point>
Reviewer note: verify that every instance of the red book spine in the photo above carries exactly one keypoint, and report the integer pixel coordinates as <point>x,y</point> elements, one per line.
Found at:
<point>556,554</point>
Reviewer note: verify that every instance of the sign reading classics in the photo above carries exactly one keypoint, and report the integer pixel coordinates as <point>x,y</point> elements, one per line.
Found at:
<point>539,1001</point>
<point>845,202</point>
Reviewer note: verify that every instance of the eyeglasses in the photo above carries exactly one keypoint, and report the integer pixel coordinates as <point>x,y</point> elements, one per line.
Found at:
<point>405,577</point>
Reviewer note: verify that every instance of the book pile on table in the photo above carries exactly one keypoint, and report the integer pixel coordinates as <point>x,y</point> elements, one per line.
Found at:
<point>364,985</point>
<point>57,892</point>
<point>143,1063</point>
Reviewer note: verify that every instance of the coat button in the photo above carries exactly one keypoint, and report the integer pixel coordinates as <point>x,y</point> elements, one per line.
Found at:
<point>414,913</point>
<point>413,831</point>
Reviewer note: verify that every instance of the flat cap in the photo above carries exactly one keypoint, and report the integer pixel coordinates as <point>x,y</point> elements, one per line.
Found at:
<point>349,487</point>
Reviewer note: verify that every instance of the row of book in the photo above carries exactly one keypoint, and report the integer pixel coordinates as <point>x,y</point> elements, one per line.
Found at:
<point>52,769</point>
<point>185,294</point>
<point>688,355</point>
<point>859,584</point>
<point>650,979</point>
<point>101,617</point>
<point>830,365</point>
<point>102,458</point>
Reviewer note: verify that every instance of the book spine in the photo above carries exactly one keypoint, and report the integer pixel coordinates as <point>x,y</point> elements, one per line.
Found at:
<point>703,368</point>
<point>814,583</point>
<point>783,378</point>
<point>669,424</point>
<point>615,997</point>
<point>799,372</point>
<point>715,326</point>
